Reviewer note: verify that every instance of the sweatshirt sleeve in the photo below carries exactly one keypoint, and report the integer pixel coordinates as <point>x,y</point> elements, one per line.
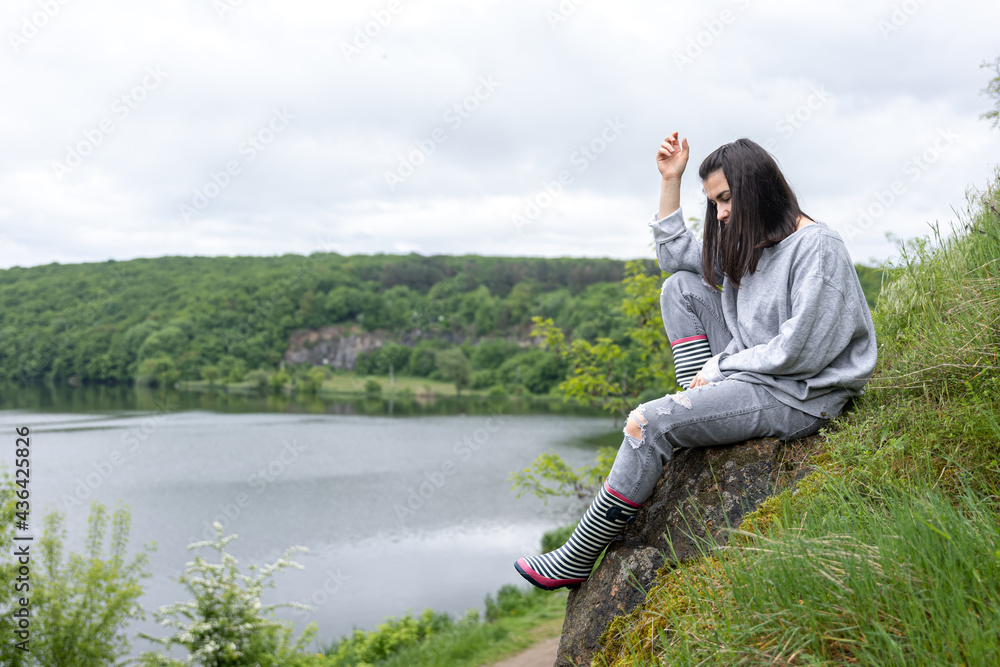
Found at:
<point>822,325</point>
<point>676,247</point>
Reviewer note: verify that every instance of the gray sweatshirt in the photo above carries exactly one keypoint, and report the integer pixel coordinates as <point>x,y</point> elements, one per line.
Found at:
<point>800,324</point>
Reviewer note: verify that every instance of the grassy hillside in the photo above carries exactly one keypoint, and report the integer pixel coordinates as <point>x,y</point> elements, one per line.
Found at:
<point>889,554</point>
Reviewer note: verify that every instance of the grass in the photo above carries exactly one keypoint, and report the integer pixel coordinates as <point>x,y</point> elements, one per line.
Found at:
<point>515,620</point>
<point>890,553</point>
<point>487,643</point>
<point>349,382</point>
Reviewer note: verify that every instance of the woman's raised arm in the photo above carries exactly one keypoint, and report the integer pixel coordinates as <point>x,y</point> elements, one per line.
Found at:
<point>671,159</point>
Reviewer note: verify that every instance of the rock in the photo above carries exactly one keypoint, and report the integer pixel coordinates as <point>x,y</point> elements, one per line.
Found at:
<point>700,492</point>
<point>337,346</point>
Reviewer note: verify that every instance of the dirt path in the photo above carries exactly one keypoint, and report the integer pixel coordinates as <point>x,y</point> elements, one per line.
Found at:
<point>542,654</point>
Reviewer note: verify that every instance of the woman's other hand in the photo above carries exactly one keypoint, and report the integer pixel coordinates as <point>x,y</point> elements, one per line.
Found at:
<point>697,381</point>
<point>672,157</point>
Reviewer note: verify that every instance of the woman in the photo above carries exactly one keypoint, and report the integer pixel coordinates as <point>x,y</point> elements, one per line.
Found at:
<point>777,352</point>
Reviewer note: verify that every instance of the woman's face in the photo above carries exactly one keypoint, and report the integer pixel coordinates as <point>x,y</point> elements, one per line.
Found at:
<point>717,190</point>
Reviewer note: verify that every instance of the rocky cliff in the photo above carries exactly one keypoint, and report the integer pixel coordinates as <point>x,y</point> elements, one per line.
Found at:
<point>335,346</point>
<point>701,492</point>
<point>338,346</point>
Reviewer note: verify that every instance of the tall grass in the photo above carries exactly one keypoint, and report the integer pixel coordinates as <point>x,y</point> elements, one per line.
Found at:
<point>890,554</point>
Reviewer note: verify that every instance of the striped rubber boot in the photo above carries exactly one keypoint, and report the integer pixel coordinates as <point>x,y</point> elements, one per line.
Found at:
<point>571,563</point>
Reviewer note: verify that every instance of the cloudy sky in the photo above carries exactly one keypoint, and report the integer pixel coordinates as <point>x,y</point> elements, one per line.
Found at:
<point>259,127</point>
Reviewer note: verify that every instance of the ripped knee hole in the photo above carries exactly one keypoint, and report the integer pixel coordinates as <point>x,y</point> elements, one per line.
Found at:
<point>632,426</point>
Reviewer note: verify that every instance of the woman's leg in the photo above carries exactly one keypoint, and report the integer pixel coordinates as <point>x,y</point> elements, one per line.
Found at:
<point>693,321</point>
<point>719,413</point>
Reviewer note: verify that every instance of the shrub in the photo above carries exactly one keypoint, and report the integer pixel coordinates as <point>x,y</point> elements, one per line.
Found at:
<point>82,605</point>
<point>257,378</point>
<point>512,601</point>
<point>391,636</point>
<point>278,381</point>
<point>225,624</point>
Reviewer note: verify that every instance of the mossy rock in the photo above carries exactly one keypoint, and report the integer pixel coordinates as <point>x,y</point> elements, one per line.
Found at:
<point>701,493</point>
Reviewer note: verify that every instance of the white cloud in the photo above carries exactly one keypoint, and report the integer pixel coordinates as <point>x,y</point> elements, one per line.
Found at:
<point>755,71</point>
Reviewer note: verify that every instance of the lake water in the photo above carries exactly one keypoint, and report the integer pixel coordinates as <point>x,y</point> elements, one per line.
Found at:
<point>398,512</point>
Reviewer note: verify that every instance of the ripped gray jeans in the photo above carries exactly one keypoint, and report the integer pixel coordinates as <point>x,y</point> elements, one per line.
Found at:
<point>719,413</point>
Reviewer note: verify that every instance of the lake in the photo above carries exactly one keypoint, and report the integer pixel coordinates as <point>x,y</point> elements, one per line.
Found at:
<point>398,512</point>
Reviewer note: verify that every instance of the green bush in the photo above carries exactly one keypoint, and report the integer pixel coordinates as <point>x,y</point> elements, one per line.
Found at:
<point>82,604</point>
<point>210,373</point>
<point>278,381</point>
<point>483,379</point>
<point>312,380</point>
<point>497,394</point>
<point>391,636</point>
<point>512,601</point>
<point>257,378</point>
<point>225,625</point>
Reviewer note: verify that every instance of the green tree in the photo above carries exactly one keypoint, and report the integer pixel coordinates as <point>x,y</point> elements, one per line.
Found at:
<point>210,373</point>
<point>518,302</point>
<point>602,373</point>
<point>169,341</point>
<point>157,372</point>
<point>423,359</point>
<point>454,365</point>
<point>278,381</point>
<point>257,378</point>
<point>313,380</point>
<point>82,604</point>
<point>548,475</point>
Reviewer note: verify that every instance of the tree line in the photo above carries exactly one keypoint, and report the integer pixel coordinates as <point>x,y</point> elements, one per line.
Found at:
<point>170,319</point>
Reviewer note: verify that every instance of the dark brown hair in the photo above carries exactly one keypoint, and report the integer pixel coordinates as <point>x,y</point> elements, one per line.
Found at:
<point>764,210</point>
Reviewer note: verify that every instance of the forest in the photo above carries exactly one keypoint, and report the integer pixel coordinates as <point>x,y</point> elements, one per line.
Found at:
<point>173,319</point>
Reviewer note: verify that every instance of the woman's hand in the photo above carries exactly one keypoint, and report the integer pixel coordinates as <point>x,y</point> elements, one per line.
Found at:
<point>697,381</point>
<point>672,157</point>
